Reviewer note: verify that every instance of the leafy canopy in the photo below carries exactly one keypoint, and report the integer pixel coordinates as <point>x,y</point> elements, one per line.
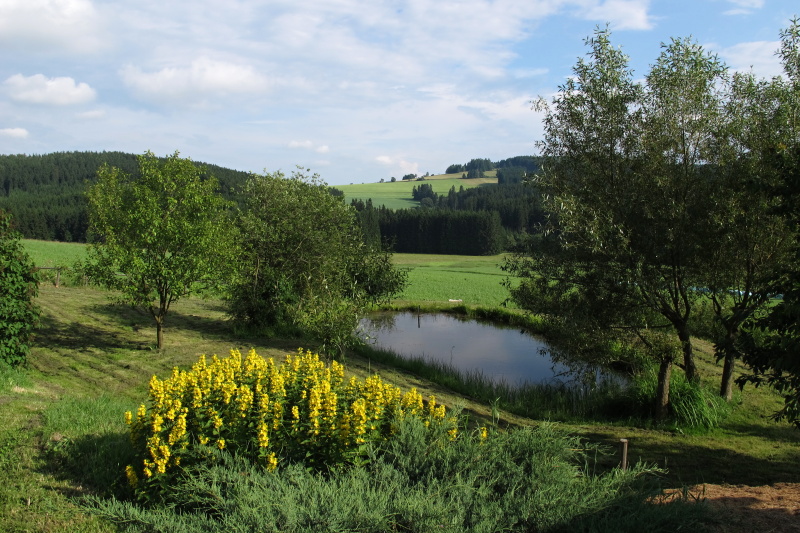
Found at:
<point>160,237</point>
<point>303,263</point>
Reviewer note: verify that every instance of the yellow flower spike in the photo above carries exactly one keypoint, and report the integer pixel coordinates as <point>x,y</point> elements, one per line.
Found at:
<point>453,433</point>
<point>128,418</point>
<point>484,433</point>
<point>221,444</point>
<point>272,462</point>
<point>130,473</point>
<point>263,436</point>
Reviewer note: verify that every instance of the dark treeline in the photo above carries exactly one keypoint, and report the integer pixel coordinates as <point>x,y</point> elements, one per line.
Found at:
<point>45,193</point>
<point>437,231</point>
<point>478,221</point>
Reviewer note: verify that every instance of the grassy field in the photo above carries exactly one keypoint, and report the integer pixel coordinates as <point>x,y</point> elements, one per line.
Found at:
<point>437,279</point>
<point>397,195</point>
<point>92,360</point>
<point>54,254</point>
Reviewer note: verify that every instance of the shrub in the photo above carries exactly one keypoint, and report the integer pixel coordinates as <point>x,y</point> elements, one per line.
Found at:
<point>18,288</point>
<point>300,411</point>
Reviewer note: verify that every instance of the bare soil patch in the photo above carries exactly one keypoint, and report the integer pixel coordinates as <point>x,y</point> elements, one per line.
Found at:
<point>743,509</point>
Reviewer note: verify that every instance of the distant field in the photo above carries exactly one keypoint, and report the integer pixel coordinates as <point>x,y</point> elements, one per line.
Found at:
<point>397,195</point>
<point>52,254</point>
<point>475,280</point>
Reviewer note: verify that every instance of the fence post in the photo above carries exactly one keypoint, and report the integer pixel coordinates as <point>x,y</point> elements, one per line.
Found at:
<point>624,463</point>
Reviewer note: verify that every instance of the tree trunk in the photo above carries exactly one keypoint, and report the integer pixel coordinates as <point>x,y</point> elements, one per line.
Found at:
<point>662,392</point>
<point>160,333</point>
<point>726,389</point>
<point>726,386</point>
<point>688,353</point>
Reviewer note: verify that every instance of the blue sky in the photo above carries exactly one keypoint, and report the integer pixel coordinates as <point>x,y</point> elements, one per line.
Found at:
<point>355,90</point>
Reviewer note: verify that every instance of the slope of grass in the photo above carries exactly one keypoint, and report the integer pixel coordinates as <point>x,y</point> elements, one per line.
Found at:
<point>397,195</point>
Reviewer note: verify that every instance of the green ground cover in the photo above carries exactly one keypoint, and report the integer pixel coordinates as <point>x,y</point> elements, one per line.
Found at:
<point>54,254</point>
<point>437,279</point>
<point>62,416</point>
<point>397,195</point>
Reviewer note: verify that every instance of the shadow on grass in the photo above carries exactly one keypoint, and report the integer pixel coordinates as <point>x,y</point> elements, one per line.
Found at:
<point>90,464</point>
<point>688,464</point>
<point>76,335</point>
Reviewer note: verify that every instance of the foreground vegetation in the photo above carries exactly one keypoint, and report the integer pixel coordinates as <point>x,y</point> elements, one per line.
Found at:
<point>65,437</point>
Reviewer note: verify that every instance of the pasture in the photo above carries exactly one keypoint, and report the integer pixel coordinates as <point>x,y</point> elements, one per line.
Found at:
<point>397,195</point>
<point>437,279</point>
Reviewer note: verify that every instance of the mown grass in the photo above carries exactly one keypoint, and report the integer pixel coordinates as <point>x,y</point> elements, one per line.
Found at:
<point>397,195</point>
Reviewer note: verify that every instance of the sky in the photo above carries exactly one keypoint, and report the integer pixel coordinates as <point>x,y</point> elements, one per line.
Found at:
<point>355,90</point>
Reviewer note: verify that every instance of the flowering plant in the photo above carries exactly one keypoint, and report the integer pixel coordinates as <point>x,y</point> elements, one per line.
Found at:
<point>300,410</point>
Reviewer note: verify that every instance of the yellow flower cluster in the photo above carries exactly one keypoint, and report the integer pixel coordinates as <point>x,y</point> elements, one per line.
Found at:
<point>300,409</point>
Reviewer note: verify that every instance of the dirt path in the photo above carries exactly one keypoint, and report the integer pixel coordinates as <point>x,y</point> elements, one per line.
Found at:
<point>743,509</point>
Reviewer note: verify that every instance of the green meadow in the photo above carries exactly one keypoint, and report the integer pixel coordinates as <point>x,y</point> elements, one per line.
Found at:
<point>441,279</point>
<point>397,195</point>
<point>54,254</point>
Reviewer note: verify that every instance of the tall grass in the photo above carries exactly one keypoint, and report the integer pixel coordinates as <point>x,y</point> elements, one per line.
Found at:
<point>419,481</point>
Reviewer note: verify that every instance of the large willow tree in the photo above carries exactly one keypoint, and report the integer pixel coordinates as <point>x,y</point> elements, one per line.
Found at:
<point>645,194</point>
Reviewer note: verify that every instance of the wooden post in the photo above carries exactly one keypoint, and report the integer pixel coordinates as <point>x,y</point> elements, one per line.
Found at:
<point>624,463</point>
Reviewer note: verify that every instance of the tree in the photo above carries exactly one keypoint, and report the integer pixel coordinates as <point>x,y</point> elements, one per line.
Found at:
<point>303,262</point>
<point>751,240</point>
<point>624,178</point>
<point>160,237</point>
<point>772,345</point>
<point>18,288</point>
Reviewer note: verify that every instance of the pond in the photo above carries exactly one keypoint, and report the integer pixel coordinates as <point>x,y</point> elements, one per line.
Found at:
<point>499,353</point>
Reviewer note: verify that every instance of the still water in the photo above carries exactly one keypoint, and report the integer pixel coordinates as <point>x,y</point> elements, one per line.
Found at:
<point>498,353</point>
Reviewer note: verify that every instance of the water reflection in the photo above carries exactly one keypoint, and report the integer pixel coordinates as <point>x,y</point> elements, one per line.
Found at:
<point>501,354</point>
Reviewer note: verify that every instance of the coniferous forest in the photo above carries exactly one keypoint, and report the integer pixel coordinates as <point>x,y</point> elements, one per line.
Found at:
<point>45,194</point>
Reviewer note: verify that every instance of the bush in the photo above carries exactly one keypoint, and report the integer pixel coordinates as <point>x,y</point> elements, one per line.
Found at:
<point>300,411</point>
<point>18,288</point>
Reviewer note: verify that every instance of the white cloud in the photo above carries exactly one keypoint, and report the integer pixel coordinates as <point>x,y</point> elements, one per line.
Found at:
<point>758,56</point>
<point>93,114</point>
<point>744,7</point>
<point>398,163</point>
<point>308,145</point>
<point>203,78</point>
<point>38,89</point>
<point>51,25</point>
<point>17,133</point>
<point>621,14</point>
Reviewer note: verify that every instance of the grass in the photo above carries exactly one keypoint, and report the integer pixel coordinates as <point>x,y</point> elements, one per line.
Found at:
<point>54,254</point>
<point>92,360</point>
<point>474,280</point>
<point>397,195</point>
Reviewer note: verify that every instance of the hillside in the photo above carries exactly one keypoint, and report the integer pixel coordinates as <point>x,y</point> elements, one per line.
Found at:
<point>45,193</point>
